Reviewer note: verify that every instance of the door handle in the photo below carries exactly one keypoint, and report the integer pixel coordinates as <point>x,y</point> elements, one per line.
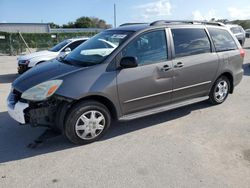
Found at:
<point>165,68</point>
<point>179,65</point>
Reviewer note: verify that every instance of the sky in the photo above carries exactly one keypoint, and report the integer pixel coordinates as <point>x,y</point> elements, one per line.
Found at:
<point>64,11</point>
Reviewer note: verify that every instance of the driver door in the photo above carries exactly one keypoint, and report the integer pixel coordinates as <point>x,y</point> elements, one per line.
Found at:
<point>150,84</point>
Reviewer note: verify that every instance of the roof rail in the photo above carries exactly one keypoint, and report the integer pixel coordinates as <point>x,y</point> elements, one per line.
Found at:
<point>125,24</point>
<point>165,22</point>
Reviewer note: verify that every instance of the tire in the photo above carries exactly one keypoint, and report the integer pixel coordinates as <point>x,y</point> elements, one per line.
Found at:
<point>92,119</point>
<point>220,90</point>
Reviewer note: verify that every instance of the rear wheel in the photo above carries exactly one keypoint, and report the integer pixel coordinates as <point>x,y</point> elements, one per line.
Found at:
<point>87,122</point>
<point>220,90</point>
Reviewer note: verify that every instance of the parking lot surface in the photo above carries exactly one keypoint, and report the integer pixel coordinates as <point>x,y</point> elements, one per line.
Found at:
<point>195,146</point>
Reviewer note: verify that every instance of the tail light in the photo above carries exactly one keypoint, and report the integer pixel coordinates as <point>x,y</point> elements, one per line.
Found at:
<point>242,53</point>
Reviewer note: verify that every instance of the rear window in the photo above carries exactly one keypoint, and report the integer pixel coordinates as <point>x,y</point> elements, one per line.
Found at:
<point>222,39</point>
<point>189,41</point>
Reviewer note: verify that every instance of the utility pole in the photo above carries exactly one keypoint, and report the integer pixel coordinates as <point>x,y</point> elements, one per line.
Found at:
<point>115,15</point>
<point>24,41</point>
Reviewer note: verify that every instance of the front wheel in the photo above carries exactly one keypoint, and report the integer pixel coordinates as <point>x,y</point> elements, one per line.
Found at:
<point>220,90</point>
<point>87,122</point>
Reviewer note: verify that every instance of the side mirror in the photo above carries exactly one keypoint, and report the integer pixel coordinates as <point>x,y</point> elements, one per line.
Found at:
<point>128,62</point>
<point>67,50</point>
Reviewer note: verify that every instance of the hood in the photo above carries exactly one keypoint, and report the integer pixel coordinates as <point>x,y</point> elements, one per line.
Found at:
<point>43,72</point>
<point>37,54</point>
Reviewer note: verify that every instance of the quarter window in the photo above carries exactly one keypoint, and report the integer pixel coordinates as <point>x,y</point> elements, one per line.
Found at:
<point>148,48</point>
<point>222,39</point>
<point>190,42</point>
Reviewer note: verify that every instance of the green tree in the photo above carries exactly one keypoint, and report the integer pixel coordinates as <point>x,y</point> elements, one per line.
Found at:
<point>244,23</point>
<point>99,23</point>
<point>87,22</point>
<point>69,25</point>
<point>53,25</point>
<point>84,22</point>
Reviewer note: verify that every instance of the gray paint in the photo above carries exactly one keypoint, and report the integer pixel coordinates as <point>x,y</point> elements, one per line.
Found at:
<point>145,87</point>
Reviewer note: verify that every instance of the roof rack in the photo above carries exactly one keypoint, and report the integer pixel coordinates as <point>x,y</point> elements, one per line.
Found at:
<point>126,24</point>
<point>165,22</point>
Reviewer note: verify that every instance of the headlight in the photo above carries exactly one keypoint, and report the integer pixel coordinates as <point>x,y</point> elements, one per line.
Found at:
<point>24,62</point>
<point>42,91</point>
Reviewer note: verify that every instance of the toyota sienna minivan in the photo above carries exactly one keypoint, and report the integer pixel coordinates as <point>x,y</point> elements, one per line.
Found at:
<point>128,72</point>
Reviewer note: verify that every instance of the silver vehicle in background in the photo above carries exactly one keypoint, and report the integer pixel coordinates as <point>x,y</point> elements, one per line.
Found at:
<point>247,33</point>
<point>238,32</point>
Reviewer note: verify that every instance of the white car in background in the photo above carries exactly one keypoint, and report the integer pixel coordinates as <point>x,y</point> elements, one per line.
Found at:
<point>28,61</point>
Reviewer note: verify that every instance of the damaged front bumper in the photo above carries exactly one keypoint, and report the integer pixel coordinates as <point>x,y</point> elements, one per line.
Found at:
<point>15,107</point>
<point>45,113</point>
<point>17,111</point>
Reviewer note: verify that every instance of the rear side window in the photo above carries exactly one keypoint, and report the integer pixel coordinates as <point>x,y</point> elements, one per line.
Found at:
<point>189,41</point>
<point>222,39</point>
<point>148,48</point>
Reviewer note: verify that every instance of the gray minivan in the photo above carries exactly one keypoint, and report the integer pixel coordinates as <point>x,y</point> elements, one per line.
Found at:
<point>128,72</point>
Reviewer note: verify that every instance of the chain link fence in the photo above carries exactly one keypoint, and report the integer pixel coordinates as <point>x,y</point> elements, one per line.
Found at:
<point>12,43</point>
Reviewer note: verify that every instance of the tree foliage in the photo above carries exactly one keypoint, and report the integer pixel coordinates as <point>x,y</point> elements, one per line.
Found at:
<point>244,23</point>
<point>84,22</point>
<point>87,22</point>
<point>53,25</point>
<point>69,25</point>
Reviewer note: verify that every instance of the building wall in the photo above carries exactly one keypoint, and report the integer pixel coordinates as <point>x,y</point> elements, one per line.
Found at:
<point>76,30</point>
<point>24,27</point>
<point>42,28</point>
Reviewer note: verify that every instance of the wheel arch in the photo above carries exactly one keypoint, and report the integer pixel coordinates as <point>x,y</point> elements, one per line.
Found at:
<point>103,100</point>
<point>66,106</point>
<point>230,78</point>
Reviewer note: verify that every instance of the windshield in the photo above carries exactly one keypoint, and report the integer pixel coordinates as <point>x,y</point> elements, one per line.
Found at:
<point>98,48</point>
<point>59,46</point>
